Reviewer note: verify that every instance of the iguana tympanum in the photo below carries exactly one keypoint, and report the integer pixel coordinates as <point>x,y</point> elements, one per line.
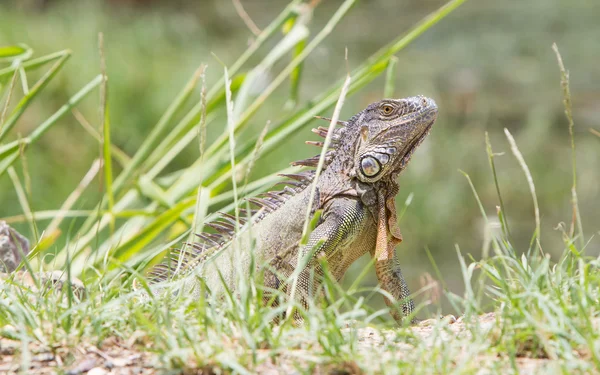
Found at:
<point>355,191</point>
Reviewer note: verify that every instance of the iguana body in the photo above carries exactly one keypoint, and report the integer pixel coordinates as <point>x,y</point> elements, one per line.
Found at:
<point>355,192</point>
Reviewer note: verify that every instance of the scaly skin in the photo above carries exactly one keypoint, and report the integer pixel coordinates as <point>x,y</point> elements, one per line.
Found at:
<point>356,194</point>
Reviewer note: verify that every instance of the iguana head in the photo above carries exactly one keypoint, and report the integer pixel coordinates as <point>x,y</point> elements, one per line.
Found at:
<point>388,132</point>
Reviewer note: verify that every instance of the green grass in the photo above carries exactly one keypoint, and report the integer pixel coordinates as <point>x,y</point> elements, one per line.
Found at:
<point>543,309</point>
<point>489,66</point>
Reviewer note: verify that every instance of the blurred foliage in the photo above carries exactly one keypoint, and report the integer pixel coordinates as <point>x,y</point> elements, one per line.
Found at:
<point>489,66</point>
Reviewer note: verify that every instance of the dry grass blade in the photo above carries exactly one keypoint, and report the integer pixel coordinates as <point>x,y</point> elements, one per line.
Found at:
<point>326,144</point>
<point>7,102</point>
<point>118,154</point>
<point>24,201</point>
<point>73,197</point>
<point>231,120</point>
<point>199,211</point>
<point>313,186</point>
<point>502,213</point>
<point>525,168</point>
<point>105,150</point>
<point>255,153</point>
<point>564,82</point>
<point>239,8</point>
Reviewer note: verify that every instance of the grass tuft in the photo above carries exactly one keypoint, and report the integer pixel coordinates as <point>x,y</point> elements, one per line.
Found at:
<point>520,310</point>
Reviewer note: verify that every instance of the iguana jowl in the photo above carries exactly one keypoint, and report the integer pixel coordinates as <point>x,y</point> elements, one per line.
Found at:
<point>355,192</point>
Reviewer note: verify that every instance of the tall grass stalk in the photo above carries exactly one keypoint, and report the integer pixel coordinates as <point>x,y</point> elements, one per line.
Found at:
<point>536,208</point>
<point>313,187</point>
<point>564,83</point>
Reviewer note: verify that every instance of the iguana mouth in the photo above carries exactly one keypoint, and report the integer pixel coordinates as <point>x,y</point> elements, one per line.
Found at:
<point>415,143</point>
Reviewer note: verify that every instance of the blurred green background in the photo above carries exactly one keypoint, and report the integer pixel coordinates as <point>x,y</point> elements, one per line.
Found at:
<point>489,66</point>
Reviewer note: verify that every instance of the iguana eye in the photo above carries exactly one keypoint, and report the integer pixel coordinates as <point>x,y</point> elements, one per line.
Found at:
<point>387,109</point>
<point>370,166</point>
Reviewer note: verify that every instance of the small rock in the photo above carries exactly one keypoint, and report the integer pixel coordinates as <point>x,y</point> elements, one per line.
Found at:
<point>120,362</point>
<point>84,366</point>
<point>12,247</point>
<point>44,357</point>
<point>97,371</point>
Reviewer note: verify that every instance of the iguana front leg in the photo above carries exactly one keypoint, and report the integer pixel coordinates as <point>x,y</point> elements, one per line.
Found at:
<point>342,222</point>
<point>387,265</point>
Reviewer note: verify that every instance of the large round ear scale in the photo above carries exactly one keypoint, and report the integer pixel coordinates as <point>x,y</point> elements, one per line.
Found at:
<point>370,166</point>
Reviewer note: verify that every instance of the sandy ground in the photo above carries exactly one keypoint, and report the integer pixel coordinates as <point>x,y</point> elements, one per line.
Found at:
<point>118,357</point>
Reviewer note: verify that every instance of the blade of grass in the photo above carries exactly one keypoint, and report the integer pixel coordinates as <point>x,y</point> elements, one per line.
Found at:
<point>24,81</point>
<point>313,187</point>
<point>173,151</point>
<point>255,154</point>
<point>34,63</point>
<point>390,78</point>
<point>119,155</point>
<point>482,210</point>
<point>239,8</point>
<point>296,74</point>
<point>564,82</point>
<point>334,119</point>
<point>150,232</point>
<point>31,95</point>
<point>7,160</point>
<point>14,52</point>
<point>201,196</point>
<point>24,202</point>
<point>525,168</point>
<point>491,155</point>
<point>404,40</point>
<point>230,127</point>
<point>258,74</point>
<point>7,102</point>
<point>106,143</point>
<point>157,132</point>
<point>47,215</point>
<point>46,125</point>
<point>73,197</point>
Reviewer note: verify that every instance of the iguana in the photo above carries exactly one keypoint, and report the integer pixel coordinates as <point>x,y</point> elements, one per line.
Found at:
<point>355,191</point>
